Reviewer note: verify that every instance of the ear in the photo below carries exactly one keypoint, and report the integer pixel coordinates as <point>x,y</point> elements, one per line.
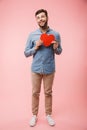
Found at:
<point>47,18</point>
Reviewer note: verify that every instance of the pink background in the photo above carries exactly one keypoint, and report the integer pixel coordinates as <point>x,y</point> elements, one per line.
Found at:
<point>69,18</point>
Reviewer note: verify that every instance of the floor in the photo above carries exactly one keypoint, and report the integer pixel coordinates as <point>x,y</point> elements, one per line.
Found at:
<point>61,124</point>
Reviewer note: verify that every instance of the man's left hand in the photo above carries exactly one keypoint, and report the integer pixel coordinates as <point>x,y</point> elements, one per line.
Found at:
<point>55,44</point>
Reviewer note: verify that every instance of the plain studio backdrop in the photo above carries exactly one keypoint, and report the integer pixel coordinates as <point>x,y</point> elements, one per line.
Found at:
<point>69,18</point>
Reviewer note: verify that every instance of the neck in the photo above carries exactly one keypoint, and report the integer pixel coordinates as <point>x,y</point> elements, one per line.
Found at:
<point>44,29</point>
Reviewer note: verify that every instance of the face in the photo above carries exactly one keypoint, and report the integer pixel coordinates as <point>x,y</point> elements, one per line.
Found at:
<point>42,20</point>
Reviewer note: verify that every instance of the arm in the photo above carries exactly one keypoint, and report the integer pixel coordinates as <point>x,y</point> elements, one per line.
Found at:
<point>58,50</point>
<point>29,48</point>
<point>57,45</point>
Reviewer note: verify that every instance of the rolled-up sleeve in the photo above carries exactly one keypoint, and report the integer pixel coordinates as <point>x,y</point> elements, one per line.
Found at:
<point>58,50</point>
<point>29,48</point>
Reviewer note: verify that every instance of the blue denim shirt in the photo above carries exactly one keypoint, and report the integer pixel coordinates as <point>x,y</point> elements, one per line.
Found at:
<point>44,57</point>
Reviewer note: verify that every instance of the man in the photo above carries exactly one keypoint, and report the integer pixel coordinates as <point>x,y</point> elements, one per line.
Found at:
<point>43,65</point>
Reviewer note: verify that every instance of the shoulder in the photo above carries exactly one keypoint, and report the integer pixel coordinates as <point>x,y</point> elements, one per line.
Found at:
<point>56,33</point>
<point>31,34</point>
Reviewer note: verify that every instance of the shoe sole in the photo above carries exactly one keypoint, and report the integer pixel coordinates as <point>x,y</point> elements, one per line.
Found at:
<point>34,124</point>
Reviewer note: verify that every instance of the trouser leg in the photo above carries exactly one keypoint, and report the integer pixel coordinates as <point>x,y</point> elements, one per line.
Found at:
<point>36,87</point>
<point>48,83</point>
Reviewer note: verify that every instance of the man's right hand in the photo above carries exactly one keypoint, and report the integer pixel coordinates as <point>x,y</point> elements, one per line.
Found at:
<point>38,44</point>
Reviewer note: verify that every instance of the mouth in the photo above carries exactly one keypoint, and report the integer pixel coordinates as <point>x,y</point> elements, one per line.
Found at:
<point>41,22</point>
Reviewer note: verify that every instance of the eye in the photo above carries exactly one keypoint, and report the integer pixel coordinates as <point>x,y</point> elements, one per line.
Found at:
<point>42,16</point>
<point>38,17</point>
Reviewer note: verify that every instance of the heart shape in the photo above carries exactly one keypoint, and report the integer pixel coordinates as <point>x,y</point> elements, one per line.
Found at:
<point>47,39</point>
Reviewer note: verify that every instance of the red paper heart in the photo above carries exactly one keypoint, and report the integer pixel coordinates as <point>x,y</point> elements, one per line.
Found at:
<point>47,39</point>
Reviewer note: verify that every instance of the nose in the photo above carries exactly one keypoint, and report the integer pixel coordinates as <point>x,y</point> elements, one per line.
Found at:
<point>40,19</point>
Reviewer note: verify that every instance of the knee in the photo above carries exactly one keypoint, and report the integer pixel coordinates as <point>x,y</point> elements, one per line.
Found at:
<point>35,94</point>
<point>48,93</point>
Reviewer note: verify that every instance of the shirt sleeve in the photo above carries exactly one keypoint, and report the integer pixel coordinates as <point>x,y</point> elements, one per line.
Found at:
<point>29,48</point>
<point>58,50</point>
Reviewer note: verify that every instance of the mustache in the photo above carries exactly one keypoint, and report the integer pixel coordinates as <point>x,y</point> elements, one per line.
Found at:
<point>44,25</point>
<point>41,21</point>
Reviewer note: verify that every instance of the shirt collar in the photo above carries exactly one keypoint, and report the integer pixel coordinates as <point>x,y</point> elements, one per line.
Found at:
<point>46,31</point>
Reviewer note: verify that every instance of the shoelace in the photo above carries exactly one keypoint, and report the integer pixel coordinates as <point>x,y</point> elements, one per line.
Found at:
<point>33,118</point>
<point>50,119</point>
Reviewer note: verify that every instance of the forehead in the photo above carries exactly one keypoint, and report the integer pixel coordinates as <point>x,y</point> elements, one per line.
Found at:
<point>41,14</point>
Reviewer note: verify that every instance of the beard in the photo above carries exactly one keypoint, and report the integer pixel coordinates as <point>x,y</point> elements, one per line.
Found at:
<point>44,26</point>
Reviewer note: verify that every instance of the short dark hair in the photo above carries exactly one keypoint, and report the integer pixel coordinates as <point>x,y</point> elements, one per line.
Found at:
<point>40,11</point>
